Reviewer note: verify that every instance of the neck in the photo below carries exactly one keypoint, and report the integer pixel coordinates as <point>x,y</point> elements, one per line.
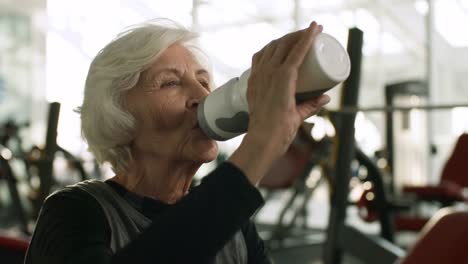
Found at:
<point>158,178</point>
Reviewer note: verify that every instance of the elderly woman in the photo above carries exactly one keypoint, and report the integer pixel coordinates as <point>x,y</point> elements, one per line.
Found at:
<point>139,114</point>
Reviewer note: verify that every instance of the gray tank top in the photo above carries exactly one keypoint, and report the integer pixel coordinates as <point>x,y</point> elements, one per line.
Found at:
<point>126,223</point>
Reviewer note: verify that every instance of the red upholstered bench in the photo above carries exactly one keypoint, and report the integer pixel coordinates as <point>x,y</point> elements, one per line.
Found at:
<point>12,250</point>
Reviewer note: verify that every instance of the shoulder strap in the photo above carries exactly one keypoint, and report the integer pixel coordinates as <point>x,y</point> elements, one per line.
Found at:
<point>124,221</point>
<point>234,252</point>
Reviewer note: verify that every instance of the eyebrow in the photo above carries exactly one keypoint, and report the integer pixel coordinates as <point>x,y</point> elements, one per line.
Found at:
<point>178,72</point>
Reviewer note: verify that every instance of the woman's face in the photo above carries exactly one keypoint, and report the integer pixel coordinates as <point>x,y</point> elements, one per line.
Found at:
<point>164,104</point>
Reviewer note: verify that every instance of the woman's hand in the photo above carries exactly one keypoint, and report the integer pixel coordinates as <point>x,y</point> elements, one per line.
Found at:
<point>274,115</point>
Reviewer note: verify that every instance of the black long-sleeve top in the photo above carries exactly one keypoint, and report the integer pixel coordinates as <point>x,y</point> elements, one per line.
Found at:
<point>72,227</point>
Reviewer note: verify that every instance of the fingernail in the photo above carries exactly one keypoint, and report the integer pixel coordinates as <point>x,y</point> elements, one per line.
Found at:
<point>325,100</point>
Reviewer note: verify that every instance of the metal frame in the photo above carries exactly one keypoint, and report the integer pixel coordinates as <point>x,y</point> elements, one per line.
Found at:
<point>341,237</point>
<point>383,205</point>
<point>7,174</point>
<point>344,152</point>
<point>45,162</point>
<point>391,91</point>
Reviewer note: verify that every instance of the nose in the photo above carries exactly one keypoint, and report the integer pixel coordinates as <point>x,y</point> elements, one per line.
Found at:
<point>193,103</point>
<point>196,96</point>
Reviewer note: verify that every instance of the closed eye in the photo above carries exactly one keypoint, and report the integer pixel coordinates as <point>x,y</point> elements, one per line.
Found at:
<point>170,84</point>
<point>205,84</point>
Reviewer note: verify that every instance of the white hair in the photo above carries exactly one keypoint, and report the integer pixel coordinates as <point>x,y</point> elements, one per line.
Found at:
<point>106,124</point>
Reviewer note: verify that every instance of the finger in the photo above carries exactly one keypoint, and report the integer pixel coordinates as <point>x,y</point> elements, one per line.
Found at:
<point>300,49</point>
<point>284,45</point>
<point>257,57</point>
<point>312,107</point>
<point>269,50</point>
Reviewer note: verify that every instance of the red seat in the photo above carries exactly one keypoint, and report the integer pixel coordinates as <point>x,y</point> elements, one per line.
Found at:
<point>450,189</point>
<point>12,250</point>
<point>453,179</point>
<point>409,223</point>
<point>444,240</point>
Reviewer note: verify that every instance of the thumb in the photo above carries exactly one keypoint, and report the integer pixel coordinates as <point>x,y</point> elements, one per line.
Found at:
<point>311,107</point>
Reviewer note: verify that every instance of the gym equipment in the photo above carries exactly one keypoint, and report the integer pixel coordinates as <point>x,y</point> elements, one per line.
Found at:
<point>10,133</point>
<point>291,172</point>
<point>6,173</point>
<point>351,110</point>
<point>340,236</point>
<point>38,163</point>
<point>376,197</point>
<point>11,139</point>
<point>12,249</point>
<point>444,240</point>
<point>398,124</point>
<point>42,159</point>
<point>454,178</point>
<point>224,113</point>
<point>448,191</point>
<point>391,213</point>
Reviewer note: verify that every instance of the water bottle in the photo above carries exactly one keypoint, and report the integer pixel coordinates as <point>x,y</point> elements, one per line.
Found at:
<point>224,113</point>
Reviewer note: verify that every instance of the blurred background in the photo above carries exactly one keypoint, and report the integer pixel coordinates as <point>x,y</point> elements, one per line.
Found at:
<point>46,47</point>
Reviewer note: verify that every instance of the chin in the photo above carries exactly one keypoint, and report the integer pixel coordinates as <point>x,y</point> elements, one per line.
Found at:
<point>207,154</point>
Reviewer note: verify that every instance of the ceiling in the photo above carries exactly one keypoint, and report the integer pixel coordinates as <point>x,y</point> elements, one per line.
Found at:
<point>395,45</point>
